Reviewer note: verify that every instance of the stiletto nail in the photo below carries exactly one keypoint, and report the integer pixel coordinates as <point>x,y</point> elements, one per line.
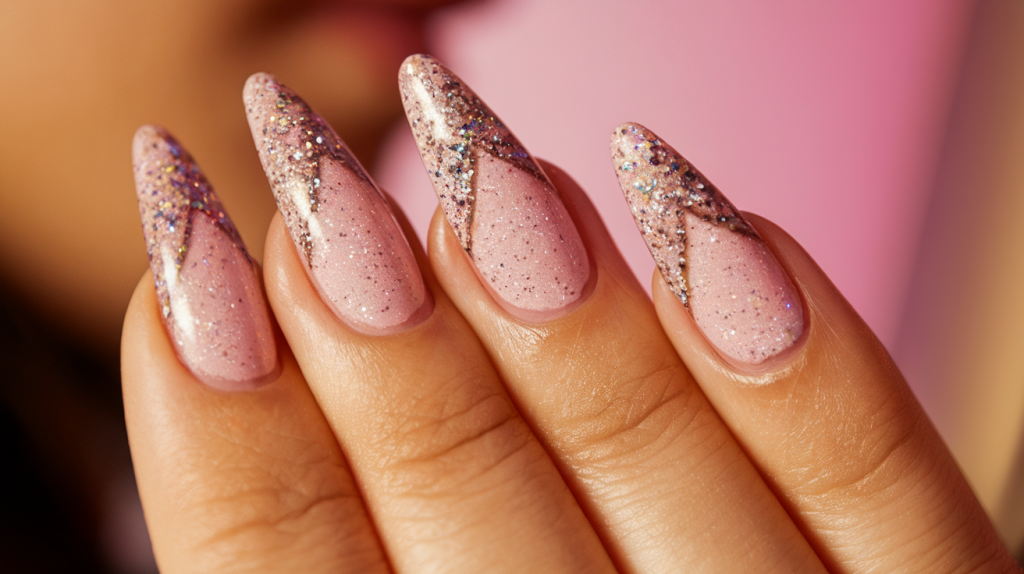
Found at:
<point>501,205</point>
<point>709,255</point>
<point>207,288</point>
<point>349,241</point>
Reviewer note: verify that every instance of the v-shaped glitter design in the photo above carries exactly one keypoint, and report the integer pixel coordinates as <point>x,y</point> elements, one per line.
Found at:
<point>453,127</point>
<point>662,186</point>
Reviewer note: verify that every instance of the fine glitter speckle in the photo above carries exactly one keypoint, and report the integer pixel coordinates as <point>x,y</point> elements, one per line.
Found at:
<point>453,127</point>
<point>294,143</point>
<point>500,204</point>
<point>661,186</point>
<point>207,290</point>
<point>709,255</point>
<point>353,248</point>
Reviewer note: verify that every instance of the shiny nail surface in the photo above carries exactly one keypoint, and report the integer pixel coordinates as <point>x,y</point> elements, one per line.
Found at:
<point>709,255</point>
<point>207,288</point>
<point>349,241</point>
<point>500,204</point>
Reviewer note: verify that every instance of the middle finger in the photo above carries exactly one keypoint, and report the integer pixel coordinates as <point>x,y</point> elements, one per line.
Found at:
<point>452,476</point>
<point>579,345</point>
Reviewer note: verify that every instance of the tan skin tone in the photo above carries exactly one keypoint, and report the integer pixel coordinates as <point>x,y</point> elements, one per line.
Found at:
<point>614,437</point>
<point>482,443</point>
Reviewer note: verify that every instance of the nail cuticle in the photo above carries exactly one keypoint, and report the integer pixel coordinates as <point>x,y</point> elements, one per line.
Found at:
<point>544,317</point>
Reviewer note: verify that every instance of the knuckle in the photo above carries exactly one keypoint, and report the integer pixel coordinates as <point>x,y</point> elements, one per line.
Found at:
<point>259,498</point>
<point>640,414</point>
<point>875,452</point>
<point>453,435</point>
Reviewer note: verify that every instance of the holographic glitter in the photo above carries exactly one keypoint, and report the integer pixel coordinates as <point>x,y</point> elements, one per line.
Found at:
<point>500,204</point>
<point>708,254</point>
<point>352,246</point>
<point>207,289</point>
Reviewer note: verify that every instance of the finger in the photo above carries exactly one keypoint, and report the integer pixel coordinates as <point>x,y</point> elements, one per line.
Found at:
<point>579,346</point>
<point>237,468</point>
<point>453,477</point>
<point>807,389</point>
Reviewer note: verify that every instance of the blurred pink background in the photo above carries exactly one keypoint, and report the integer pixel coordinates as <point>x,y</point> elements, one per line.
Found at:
<point>826,117</point>
<point>859,127</point>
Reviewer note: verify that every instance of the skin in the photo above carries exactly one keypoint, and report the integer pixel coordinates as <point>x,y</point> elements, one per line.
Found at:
<point>481,442</point>
<point>78,79</point>
<point>215,474</point>
<point>658,467</point>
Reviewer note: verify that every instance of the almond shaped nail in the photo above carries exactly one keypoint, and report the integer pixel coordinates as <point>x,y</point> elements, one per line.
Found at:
<point>709,255</point>
<point>207,288</point>
<point>500,204</point>
<point>349,241</point>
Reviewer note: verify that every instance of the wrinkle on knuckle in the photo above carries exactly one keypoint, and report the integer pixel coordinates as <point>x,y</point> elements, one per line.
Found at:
<point>448,438</point>
<point>277,522</point>
<point>637,417</point>
<point>267,481</point>
<point>270,452</point>
<point>872,457</point>
<point>940,537</point>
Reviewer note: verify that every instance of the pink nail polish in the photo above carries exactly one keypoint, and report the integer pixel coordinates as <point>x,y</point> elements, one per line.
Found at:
<point>349,241</point>
<point>711,258</point>
<point>500,204</point>
<point>209,295</point>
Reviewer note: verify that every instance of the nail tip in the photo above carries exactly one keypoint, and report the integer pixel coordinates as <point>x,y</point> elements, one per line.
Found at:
<point>144,137</point>
<point>242,382</point>
<point>331,206</point>
<point>416,66</point>
<point>414,61</point>
<point>467,150</point>
<point>625,128</point>
<point>182,218</point>
<point>254,81</point>
<point>690,228</point>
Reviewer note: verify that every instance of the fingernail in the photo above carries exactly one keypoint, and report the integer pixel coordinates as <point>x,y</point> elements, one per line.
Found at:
<point>207,288</point>
<point>348,239</point>
<point>500,204</point>
<point>709,255</point>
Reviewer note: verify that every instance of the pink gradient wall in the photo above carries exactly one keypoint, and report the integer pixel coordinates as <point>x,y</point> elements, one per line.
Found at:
<point>826,117</point>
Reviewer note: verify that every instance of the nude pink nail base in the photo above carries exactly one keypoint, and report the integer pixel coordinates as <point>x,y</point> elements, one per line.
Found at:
<point>500,204</point>
<point>709,255</point>
<point>353,248</point>
<point>207,288</point>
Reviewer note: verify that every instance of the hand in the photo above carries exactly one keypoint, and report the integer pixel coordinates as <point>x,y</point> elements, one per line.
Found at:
<point>514,401</point>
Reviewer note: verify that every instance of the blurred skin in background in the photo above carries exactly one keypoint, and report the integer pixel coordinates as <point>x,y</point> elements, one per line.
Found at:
<point>77,79</point>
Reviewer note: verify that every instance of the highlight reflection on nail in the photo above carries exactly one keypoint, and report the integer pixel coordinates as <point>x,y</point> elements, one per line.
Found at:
<point>353,248</point>
<point>709,255</point>
<point>207,288</point>
<point>500,204</point>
